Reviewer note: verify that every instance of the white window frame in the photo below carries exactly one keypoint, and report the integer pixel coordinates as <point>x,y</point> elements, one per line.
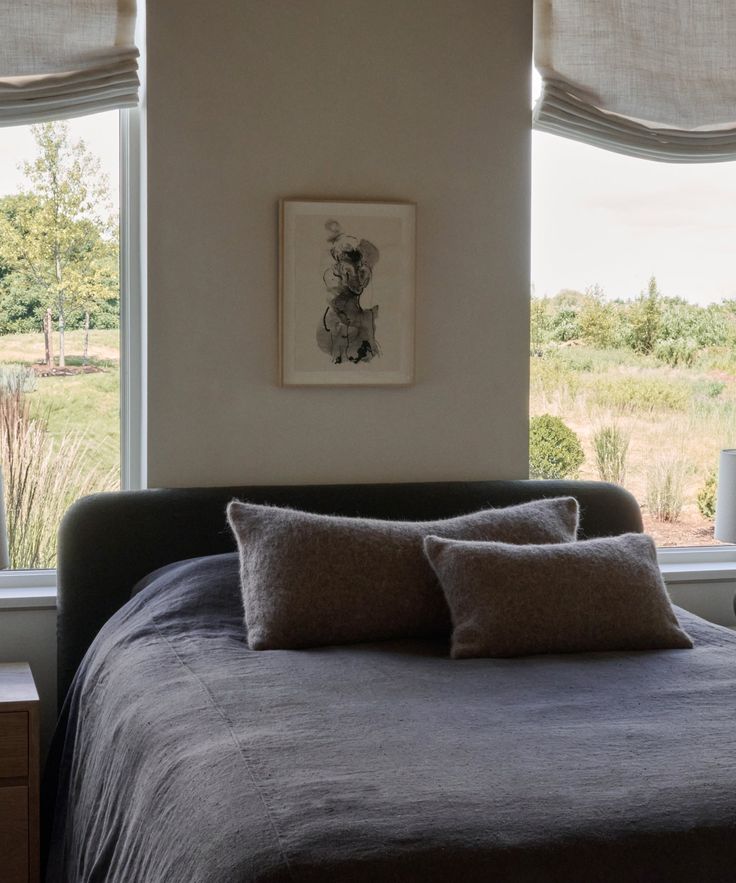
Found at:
<point>37,588</point>
<point>697,563</point>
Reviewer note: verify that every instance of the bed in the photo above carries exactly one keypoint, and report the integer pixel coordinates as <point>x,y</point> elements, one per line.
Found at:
<point>181,755</point>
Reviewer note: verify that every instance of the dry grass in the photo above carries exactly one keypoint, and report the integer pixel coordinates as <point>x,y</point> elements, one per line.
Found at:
<point>652,416</point>
<point>27,349</point>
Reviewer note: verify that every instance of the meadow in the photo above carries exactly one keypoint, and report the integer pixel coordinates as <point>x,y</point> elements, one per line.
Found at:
<point>84,403</point>
<point>676,420</point>
<point>60,436</point>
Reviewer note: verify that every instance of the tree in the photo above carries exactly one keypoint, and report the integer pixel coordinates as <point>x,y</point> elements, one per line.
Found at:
<point>646,319</point>
<point>597,320</point>
<point>59,233</point>
<point>539,326</point>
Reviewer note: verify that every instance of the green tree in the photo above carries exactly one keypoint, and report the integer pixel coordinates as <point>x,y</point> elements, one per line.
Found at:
<point>597,320</point>
<point>645,316</point>
<point>58,233</point>
<point>539,327</point>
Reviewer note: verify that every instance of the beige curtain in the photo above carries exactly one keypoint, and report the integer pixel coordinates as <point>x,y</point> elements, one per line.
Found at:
<point>648,78</point>
<point>63,58</point>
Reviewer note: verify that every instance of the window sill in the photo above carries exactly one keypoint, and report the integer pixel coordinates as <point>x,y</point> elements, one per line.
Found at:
<point>697,572</point>
<point>698,564</point>
<point>27,589</point>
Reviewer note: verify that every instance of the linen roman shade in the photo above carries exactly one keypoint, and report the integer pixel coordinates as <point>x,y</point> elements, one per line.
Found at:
<point>653,79</point>
<point>63,58</point>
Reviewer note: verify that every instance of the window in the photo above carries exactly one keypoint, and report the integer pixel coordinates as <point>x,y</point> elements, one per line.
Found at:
<point>70,419</point>
<point>633,328</point>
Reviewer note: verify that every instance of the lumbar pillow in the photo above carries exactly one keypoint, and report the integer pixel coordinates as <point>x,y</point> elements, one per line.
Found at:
<point>601,594</point>
<point>317,579</point>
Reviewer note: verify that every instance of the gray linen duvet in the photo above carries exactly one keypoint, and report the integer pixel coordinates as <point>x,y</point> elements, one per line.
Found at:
<point>187,757</point>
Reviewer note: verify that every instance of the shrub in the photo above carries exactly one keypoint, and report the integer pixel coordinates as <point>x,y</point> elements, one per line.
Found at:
<point>665,490</point>
<point>554,449</point>
<point>677,352</point>
<point>641,394</point>
<point>599,325</point>
<point>611,445</point>
<point>564,325</point>
<point>706,497</point>
<point>713,388</point>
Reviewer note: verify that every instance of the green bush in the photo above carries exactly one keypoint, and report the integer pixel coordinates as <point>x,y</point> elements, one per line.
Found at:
<point>554,449</point>
<point>564,325</point>
<point>611,445</point>
<point>641,394</point>
<point>713,388</point>
<point>706,497</point>
<point>677,352</point>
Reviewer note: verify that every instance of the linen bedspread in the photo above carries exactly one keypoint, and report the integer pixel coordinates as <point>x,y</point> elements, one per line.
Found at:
<point>184,756</point>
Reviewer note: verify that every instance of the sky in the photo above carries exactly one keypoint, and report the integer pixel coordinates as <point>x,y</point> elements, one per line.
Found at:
<point>602,218</point>
<point>100,133</point>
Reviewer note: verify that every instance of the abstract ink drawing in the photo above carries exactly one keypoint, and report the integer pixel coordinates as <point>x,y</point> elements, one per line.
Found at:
<point>347,332</point>
<point>346,292</point>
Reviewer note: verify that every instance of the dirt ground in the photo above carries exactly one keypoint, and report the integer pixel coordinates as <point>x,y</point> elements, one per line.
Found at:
<point>689,530</point>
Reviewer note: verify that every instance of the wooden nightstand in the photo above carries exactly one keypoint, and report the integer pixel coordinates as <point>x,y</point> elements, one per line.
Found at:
<point>19,851</point>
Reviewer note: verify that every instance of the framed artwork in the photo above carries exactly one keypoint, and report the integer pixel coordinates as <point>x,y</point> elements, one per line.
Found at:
<point>346,280</point>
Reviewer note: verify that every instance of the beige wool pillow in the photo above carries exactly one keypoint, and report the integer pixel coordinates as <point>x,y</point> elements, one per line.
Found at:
<point>309,580</point>
<point>600,594</point>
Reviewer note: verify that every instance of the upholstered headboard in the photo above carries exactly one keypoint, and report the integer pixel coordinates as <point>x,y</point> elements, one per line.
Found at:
<point>107,542</point>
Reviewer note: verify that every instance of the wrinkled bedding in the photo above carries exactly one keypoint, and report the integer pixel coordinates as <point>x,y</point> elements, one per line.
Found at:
<point>185,756</point>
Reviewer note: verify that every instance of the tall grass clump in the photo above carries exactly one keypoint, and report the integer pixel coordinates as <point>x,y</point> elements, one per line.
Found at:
<point>42,475</point>
<point>665,493</point>
<point>611,446</point>
<point>12,375</point>
<point>552,381</point>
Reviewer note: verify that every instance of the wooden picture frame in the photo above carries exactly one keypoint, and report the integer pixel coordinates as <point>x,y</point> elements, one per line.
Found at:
<point>346,292</point>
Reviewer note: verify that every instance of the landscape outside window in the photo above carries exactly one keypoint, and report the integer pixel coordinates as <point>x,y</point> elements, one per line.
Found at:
<point>59,321</point>
<point>633,328</point>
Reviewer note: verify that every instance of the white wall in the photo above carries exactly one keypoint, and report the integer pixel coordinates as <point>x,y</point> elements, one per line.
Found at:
<point>252,100</point>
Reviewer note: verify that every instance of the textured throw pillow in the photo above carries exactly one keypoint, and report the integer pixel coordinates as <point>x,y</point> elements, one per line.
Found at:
<point>602,594</point>
<point>316,579</point>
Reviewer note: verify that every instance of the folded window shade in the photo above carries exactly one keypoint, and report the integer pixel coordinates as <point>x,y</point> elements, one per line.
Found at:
<point>649,78</point>
<point>63,58</point>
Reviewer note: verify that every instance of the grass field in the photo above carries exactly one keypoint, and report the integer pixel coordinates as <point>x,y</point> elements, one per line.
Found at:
<point>675,417</point>
<point>87,403</point>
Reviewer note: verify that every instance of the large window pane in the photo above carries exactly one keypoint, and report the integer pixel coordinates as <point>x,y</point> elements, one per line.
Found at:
<point>633,338</point>
<point>59,324</point>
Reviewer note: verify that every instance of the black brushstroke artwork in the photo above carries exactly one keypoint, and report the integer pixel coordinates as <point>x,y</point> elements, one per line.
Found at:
<point>347,332</point>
